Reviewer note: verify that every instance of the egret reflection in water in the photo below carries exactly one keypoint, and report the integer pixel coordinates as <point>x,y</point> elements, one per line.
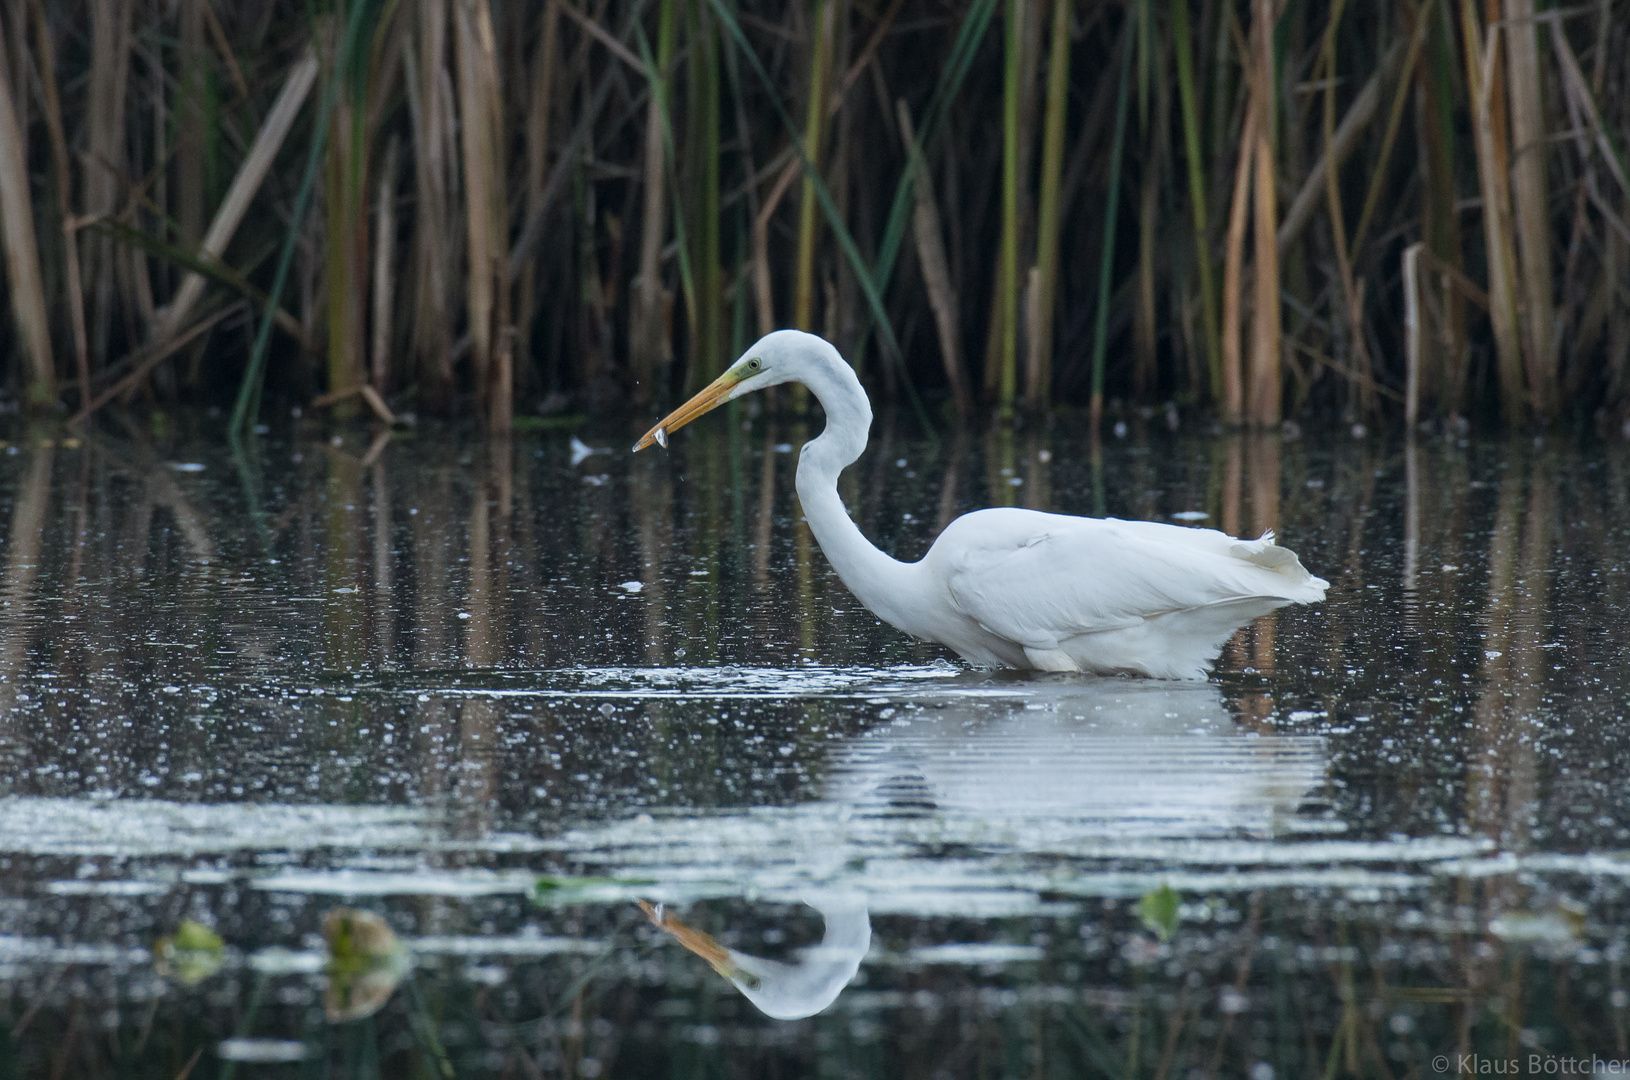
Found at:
<point>1019,766</point>
<point>782,990</point>
<point>1116,756</point>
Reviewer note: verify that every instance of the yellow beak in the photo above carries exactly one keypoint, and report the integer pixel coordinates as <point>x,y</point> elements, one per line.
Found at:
<point>710,398</point>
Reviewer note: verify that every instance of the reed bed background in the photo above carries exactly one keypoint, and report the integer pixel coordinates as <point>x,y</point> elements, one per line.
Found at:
<point>1259,209</point>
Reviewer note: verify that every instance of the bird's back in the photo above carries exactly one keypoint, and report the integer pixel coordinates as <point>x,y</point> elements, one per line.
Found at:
<point>1103,594</point>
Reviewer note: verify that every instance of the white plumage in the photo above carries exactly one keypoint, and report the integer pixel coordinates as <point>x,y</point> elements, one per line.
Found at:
<point>1020,588</point>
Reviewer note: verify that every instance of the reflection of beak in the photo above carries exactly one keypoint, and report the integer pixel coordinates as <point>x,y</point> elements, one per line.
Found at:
<point>694,940</point>
<point>710,398</point>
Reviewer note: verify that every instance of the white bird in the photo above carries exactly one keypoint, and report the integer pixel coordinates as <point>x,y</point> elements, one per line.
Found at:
<point>787,991</point>
<point>1019,588</point>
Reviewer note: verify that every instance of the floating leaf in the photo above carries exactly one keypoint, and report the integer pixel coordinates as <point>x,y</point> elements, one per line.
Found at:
<point>366,961</point>
<point>1158,910</point>
<point>190,955</point>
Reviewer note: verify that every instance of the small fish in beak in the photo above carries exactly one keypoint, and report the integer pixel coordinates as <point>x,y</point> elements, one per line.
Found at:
<point>661,435</point>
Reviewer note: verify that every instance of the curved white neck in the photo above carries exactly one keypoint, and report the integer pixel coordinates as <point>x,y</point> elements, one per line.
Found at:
<point>874,578</point>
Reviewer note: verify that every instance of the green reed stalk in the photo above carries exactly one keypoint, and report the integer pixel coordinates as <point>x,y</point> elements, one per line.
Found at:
<point>1440,221</point>
<point>814,130</point>
<point>254,375</point>
<point>1007,281</point>
<point>1210,328</point>
<point>705,109</point>
<point>1048,217</point>
<point>345,234</point>
<point>952,75</point>
<point>1106,259</point>
<point>667,36</point>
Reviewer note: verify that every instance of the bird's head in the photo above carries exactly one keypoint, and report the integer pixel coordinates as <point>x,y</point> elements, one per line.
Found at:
<point>775,358</point>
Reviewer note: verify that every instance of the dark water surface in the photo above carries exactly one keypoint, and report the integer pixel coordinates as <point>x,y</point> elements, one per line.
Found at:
<point>492,696</point>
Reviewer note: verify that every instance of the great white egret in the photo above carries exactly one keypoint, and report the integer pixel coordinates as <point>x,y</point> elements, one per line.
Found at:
<point>1018,588</point>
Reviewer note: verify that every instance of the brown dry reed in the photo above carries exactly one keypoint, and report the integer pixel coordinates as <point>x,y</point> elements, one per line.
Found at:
<point>1254,209</point>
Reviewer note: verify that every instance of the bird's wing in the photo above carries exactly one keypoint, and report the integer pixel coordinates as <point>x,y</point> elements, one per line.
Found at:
<point>1040,579</point>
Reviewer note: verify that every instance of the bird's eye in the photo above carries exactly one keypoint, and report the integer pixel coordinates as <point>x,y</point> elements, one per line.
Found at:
<point>754,364</point>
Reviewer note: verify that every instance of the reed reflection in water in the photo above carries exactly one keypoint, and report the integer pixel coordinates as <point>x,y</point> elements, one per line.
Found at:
<point>413,675</point>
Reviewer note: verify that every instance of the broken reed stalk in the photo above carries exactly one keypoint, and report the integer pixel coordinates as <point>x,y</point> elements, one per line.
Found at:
<point>251,174</point>
<point>22,251</point>
<point>942,297</point>
<point>1049,216</point>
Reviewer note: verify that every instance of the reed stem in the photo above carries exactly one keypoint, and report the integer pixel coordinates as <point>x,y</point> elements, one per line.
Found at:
<point>1184,48</point>
<point>1007,281</point>
<point>1100,334</point>
<point>1039,389</point>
